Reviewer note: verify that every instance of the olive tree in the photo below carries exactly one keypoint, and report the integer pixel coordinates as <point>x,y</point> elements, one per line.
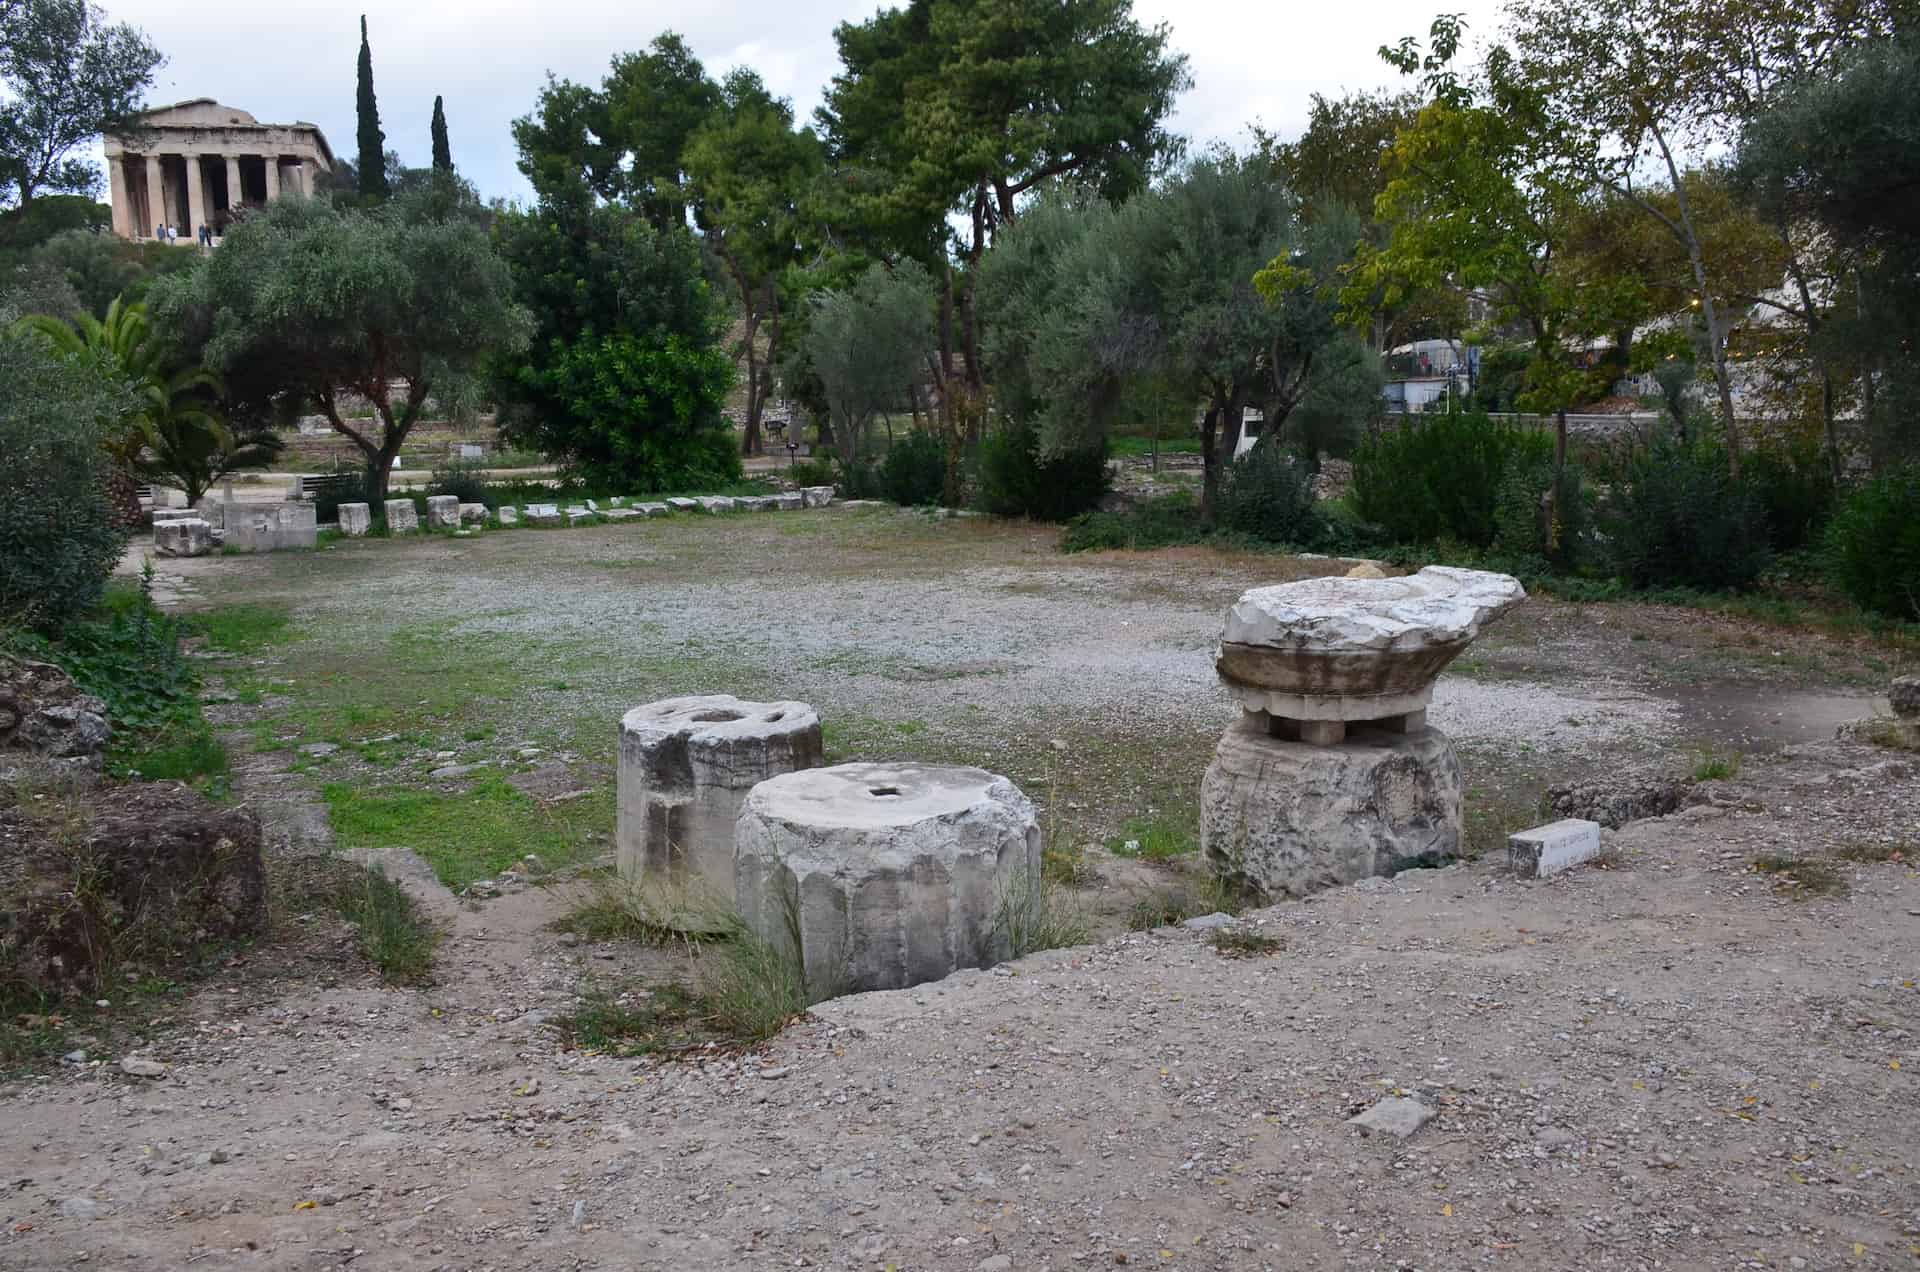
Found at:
<point>866,343</point>
<point>306,302</point>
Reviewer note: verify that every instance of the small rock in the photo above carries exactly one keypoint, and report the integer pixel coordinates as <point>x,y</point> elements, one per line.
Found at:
<point>1210,922</point>
<point>1396,1116</point>
<point>579,1213</point>
<point>455,770</point>
<point>771,1074</point>
<point>998,1263</point>
<point>141,1067</point>
<point>319,750</point>
<point>80,1208</point>
<point>75,1057</point>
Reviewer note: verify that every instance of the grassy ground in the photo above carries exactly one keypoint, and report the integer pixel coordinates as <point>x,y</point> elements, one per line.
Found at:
<point>503,663</point>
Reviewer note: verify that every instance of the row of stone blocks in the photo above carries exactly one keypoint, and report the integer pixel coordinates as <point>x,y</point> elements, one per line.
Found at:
<point>446,512</point>
<point>874,876</point>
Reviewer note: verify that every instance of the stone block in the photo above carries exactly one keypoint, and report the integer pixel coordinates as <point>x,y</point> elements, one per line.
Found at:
<point>543,514</point>
<point>753,503</point>
<point>272,527</point>
<point>817,496</point>
<point>654,509</point>
<point>182,537</point>
<point>791,501</point>
<point>886,875</point>
<point>443,512</point>
<point>402,516</point>
<point>473,514</point>
<point>1396,1115</point>
<point>581,516</point>
<point>1903,695</point>
<point>622,514</point>
<point>1548,850</point>
<point>507,515</point>
<point>714,503</point>
<point>684,767</point>
<point>681,503</point>
<point>1288,817</point>
<point>356,520</point>
<point>1355,648</point>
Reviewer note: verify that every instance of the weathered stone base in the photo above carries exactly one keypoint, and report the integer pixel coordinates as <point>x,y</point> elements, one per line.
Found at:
<point>885,875</point>
<point>356,520</point>
<point>1287,818</point>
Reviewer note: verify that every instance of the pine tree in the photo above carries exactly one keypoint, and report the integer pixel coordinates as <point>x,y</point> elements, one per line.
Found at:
<point>373,161</point>
<point>442,154</point>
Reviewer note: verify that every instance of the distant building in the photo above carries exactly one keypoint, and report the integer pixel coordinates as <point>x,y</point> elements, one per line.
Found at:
<point>199,163</point>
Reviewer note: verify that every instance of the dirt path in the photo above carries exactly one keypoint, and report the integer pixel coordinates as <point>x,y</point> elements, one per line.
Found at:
<point>1676,1062</point>
<point>1663,1064</point>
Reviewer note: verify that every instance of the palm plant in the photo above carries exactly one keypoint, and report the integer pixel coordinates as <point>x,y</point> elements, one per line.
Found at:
<point>177,434</point>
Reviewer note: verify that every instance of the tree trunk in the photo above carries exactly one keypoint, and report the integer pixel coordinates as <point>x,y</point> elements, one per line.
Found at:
<point>1209,465</point>
<point>1716,347</point>
<point>750,436</point>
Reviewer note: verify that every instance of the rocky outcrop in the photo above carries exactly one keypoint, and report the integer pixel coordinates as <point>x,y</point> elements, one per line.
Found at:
<point>44,712</point>
<point>137,875</point>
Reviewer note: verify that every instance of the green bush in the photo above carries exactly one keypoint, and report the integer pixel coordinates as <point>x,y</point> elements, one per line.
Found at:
<point>1873,545</point>
<point>1016,481</point>
<point>914,471</point>
<point>58,542</point>
<point>464,479</point>
<point>350,488</point>
<point>1440,476</point>
<point>1268,495</point>
<point>812,472</point>
<point>1795,489</point>
<point>1155,523</point>
<point>1522,526</point>
<point>1678,519</point>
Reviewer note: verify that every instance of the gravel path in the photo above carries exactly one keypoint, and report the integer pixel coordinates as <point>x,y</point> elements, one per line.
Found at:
<point>1664,1064</point>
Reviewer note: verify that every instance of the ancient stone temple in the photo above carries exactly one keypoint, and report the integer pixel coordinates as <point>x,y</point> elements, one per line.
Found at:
<point>199,163</point>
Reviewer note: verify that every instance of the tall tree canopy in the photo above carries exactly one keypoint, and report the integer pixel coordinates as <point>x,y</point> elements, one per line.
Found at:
<point>66,76</point>
<point>655,102</point>
<point>442,151</point>
<point>306,301</point>
<point>624,376</point>
<point>750,172</point>
<point>372,165</point>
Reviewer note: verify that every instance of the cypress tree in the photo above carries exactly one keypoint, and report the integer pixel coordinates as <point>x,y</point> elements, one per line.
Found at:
<point>442,153</point>
<point>373,157</point>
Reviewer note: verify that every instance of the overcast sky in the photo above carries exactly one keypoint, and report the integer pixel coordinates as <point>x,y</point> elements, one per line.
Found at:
<point>287,60</point>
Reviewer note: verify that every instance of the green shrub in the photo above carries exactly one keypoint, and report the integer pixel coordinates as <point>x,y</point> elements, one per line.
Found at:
<point>1678,519</point>
<point>1873,545</point>
<point>58,542</point>
<point>1795,489</point>
<point>914,471</point>
<point>1440,476</point>
<point>1155,523</point>
<point>464,479</point>
<point>1016,481</point>
<point>350,488</point>
<point>812,472</point>
<point>1522,525</point>
<point>1268,494</point>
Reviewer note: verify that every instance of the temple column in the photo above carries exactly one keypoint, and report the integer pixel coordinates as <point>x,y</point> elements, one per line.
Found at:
<point>156,197</point>
<point>236,194</point>
<point>117,191</point>
<point>196,199</point>
<point>273,177</point>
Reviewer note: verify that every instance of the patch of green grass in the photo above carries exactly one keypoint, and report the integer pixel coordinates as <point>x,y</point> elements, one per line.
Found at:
<point>1168,906</point>
<point>183,751</point>
<point>606,907</point>
<point>394,935</point>
<point>1872,854</point>
<point>1713,765</point>
<point>242,627</point>
<point>636,1021</point>
<point>472,834</point>
<point>1036,916</point>
<point>1800,877</point>
<point>1066,864</point>
<point>1160,837</point>
<point>1244,942</point>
